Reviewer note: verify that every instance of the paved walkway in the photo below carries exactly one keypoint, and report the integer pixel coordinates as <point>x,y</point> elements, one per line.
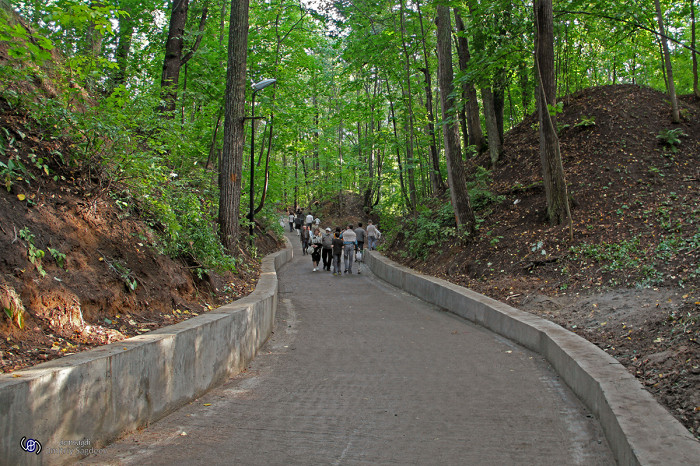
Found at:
<point>359,372</point>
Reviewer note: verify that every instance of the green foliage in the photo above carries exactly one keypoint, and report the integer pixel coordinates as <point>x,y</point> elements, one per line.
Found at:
<point>671,138</point>
<point>429,230</point>
<point>624,255</point>
<point>556,108</point>
<point>585,122</point>
<point>13,171</point>
<point>23,45</point>
<point>479,190</point>
<point>33,253</point>
<point>123,272</point>
<point>13,308</point>
<point>58,256</point>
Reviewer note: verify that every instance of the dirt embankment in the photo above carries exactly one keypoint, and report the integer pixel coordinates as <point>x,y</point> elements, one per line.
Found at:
<point>630,279</point>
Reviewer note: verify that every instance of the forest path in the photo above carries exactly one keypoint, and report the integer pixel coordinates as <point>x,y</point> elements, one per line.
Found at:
<point>359,372</point>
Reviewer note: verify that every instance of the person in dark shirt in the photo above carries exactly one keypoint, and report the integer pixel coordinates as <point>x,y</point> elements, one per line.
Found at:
<point>337,252</point>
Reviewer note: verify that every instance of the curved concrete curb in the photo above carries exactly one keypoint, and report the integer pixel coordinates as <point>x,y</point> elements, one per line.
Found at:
<point>638,429</point>
<point>97,395</point>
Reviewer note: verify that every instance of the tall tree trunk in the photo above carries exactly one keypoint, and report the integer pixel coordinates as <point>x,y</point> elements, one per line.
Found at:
<point>125,36</point>
<point>494,139</point>
<point>456,177</point>
<point>402,185</point>
<point>212,146</point>
<point>499,105</point>
<point>550,155</point>
<point>471,102</point>
<point>232,157</point>
<point>525,87</point>
<point>438,186</point>
<point>408,97</point>
<point>675,113</point>
<point>174,60</point>
<point>696,88</point>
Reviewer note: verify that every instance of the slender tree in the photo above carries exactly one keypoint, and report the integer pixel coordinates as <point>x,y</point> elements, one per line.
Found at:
<point>232,156</point>
<point>675,114</point>
<point>456,177</point>
<point>550,154</point>
<point>408,98</point>
<point>436,181</point>
<point>475,135</point>
<point>174,59</point>
<point>696,88</point>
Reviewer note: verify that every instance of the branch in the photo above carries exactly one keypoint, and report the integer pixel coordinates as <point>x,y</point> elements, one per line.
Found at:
<point>637,25</point>
<point>293,27</point>
<point>202,23</point>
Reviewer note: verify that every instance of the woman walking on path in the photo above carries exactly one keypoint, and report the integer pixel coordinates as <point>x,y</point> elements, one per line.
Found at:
<point>327,249</point>
<point>337,251</point>
<point>316,244</point>
<point>291,221</point>
<point>349,245</point>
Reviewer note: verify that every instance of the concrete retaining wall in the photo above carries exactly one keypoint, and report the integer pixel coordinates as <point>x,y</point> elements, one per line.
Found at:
<point>638,429</point>
<point>100,394</point>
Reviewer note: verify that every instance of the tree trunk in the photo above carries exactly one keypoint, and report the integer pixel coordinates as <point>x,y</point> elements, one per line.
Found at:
<point>550,155</point>
<point>212,146</point>
<point>435,177</point>
<point>675,114</point>
<point>407,94</point>
<point>456,177</point>
<point>232,157</point>
<point>407,201</point>
<point>174,60</point>
<point>494,139</point>
<point>471,102</point>
<point>126,33</point>
<point>696,89</point>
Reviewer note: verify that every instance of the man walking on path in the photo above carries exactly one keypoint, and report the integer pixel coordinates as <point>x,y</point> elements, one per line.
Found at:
<point>305,239</point>
<point>327,252</point>
<point>309,220</point>
<point>361,235</point>
<point>372,236</point>
<point>298,222</point>
<point>337,251</point>
<point>349,245</point>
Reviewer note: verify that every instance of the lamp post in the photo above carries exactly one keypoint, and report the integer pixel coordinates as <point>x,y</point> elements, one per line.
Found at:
<point>256,87</point>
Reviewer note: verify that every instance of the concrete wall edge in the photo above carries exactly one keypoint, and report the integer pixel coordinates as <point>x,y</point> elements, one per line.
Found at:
<point>101,394</point>
<point>638,429</point>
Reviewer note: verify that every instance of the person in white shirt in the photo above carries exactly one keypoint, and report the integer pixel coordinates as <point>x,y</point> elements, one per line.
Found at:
<point>349,244</point>
<point>372,236</point>
<point>309,220</point>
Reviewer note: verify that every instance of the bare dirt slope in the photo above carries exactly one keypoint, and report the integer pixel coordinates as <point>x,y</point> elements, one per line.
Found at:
<point>630,279</point>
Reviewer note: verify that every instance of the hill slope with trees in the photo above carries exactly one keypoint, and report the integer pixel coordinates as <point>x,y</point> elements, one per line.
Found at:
<point>629,281</point>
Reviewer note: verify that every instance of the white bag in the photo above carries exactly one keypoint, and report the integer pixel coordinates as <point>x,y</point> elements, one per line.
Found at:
<point>358,256</point>
<point>310,250</point>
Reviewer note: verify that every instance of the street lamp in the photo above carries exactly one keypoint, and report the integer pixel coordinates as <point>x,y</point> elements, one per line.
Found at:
<point>256,87</point>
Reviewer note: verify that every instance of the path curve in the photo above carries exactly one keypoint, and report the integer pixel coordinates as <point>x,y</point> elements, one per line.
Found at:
<point>359,372</point>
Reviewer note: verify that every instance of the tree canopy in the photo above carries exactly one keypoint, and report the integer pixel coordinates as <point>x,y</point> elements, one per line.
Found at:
<point>354,106</point>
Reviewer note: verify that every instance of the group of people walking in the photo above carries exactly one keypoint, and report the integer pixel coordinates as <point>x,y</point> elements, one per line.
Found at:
<point>329,246</point>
